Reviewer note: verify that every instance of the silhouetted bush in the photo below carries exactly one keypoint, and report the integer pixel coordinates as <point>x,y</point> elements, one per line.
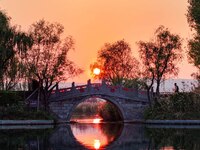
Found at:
<point>13,107</point>
<point>109,112</point>
<point>177,106</point>
<point>87,109</point>
<point>18,113</point>
<point>8,98</point>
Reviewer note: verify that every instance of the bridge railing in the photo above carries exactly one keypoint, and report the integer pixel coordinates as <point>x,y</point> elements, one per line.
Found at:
<point>99,88</point>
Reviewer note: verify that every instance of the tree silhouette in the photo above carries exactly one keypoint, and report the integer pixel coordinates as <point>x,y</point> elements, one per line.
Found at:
<point>116,63</point>
<point>160,57</point>
<point>47,59</point>
<point>193,17</point>
<point>13,42</point>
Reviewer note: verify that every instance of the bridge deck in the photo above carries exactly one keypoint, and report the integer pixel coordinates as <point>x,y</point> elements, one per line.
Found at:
<point>98,89</point>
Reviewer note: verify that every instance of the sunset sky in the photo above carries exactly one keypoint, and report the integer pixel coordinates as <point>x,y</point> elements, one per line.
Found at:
<point>94,22</point>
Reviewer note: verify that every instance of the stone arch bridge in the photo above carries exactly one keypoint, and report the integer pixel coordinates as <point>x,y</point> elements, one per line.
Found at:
<point>129,101</point>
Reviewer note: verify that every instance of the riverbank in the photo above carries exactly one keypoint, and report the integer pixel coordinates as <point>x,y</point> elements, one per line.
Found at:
<point>179,106</point>
<point>52,122</point>
<point>27,122</point>
<point>26,127</point>
<point>21,112</point>
<point>173,122</point>
<point>164,122</point>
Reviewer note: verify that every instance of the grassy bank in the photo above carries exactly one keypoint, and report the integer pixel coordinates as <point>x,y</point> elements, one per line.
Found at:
<point>180,106</point>
<point>12,107</point>
<point>15,114</point>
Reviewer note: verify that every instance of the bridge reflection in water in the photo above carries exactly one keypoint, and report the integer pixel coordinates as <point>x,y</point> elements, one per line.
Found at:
<point>101,136</point>
<point>95,136</point>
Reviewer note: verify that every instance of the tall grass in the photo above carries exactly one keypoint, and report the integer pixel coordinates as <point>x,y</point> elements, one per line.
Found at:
<point>177,106</point>
<point>109,112</point>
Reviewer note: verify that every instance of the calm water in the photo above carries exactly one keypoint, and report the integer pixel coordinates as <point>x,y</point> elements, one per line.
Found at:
<point>101,136</point>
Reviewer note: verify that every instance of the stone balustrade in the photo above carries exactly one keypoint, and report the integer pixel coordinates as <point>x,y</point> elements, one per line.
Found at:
<point>98,89</point>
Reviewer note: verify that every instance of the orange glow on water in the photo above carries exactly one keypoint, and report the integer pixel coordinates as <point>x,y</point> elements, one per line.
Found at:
<point>97,144</point>
<point>95,136</point>
<point>96,120</point>
<point>167,148</point>
<point>96,71</point>
<point>89,120</point>
<point>90,135</point>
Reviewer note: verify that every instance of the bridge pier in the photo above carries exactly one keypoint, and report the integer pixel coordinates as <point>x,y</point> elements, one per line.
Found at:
<point>61,110</point>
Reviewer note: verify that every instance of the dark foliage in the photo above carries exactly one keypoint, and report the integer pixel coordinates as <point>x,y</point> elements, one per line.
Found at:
<point>109,112</point>
<point>178,106</point>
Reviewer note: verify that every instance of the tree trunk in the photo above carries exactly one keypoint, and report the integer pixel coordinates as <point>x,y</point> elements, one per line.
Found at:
<point>157,92</point>
<point>38,99</point>
<point>46,98</point>
<point>39,94</point>
<point>149,97</point>
<point>158,88</point>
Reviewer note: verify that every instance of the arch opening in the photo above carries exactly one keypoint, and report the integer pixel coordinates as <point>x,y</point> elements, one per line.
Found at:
<point>95,110</point>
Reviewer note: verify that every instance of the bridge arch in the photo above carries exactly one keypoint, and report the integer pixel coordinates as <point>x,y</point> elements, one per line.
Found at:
<point>106,98</point>
<point>129,101</point>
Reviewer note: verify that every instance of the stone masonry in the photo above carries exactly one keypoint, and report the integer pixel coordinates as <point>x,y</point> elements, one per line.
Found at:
<point>130,102</point>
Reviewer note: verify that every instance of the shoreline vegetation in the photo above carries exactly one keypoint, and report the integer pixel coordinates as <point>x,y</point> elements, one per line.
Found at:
<point>13,107</point>
<point>178,106</point>
<point>174,109</point>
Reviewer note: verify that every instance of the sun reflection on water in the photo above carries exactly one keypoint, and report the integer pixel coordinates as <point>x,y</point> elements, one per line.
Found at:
<point>167,148</point>
<point>96,120</point>
<point>97,144</point>
<point>96,135</point>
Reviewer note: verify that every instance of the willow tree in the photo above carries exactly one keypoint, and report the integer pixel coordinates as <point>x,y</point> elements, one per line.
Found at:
<point>47,59</point>
<point>116,63</point>
<point>194,44</point>
<point>13,42</point>
<point>160,57</point>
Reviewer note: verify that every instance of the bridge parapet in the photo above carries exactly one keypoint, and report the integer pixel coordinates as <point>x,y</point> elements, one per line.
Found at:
<point>98,89</point>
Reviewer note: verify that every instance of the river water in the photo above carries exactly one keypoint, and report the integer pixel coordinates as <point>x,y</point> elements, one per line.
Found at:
<point>113,136</point>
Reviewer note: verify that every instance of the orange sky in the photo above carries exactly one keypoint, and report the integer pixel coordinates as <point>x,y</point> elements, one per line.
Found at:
<point>95,22</point>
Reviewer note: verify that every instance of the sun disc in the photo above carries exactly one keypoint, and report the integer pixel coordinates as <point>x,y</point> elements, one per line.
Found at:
<point>96,71</point>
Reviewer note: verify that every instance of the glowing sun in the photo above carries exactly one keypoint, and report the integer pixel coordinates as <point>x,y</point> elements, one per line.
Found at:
<point>96,71</point>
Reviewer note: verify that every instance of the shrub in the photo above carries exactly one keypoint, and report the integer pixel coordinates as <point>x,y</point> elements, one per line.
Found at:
<point>177,106</point>
<point>11,114</point>
<point>8,98</point>
<point>109,112</point>
<point>12,106</point>
<point>181,102</point>
<point>86,108</point>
